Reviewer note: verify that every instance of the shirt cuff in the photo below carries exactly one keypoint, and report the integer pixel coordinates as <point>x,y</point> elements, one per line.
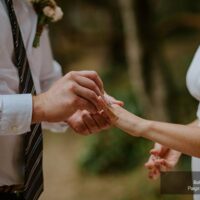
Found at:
<point>15,114</point>
<point>59,127</point>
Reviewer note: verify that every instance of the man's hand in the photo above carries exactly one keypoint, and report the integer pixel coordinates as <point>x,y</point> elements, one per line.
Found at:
<point>84,122</point>
<point>162,159</point>
<point>75,91</point>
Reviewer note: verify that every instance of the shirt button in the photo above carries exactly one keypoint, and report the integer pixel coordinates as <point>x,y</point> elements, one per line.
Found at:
<point>14,128</point>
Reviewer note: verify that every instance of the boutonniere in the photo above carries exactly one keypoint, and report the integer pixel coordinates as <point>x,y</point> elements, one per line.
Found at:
<point>48,11</point>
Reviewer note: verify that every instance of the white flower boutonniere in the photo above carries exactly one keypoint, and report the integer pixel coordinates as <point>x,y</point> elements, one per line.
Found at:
<point>48,12</point>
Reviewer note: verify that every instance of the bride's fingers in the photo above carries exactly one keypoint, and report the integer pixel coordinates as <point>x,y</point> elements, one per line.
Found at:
<point>150,175</point>
<point>111,100</point>
<point>159,150</point>
<point>154,171</point>
<point>154,152</point>
<point>150,165</point>
<point>107,110</point>
<point>154,174</point>
<point>164,165</point>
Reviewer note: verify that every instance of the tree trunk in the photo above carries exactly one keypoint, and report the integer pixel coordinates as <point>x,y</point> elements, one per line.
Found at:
<point>142,49</point>
<point>133,53</point>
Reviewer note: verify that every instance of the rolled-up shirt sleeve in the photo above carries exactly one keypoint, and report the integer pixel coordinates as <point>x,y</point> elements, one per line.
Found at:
<point>45,85</point>
<point>51,72</point>
<point>51,69</point>
<point>15,114</point>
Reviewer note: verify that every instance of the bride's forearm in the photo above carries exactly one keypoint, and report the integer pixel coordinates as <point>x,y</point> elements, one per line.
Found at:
<point>183,138</point>
<point>133,127</point>
<point>194,123</point>
<point>130,123</point>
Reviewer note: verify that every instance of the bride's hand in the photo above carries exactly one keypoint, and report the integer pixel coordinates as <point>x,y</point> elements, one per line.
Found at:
<point>111,100</point>
<point>162,159</point>
<point>128,122</point>
<point>123,119</point>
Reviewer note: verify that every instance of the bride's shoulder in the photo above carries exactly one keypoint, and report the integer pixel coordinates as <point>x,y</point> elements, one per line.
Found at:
<point>193,75</point>
<point>197,53</point>
<point>195,61</point>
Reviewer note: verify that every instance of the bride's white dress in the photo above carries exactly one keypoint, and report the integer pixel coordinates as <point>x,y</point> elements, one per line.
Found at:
<point>193,84</point>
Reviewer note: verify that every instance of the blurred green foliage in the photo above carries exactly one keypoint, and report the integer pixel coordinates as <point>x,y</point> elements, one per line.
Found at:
<point>114,151</point>
<point>90,24</point>
<point>93,29</point>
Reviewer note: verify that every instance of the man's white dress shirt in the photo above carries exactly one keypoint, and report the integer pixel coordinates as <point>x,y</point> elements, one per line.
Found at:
<point>16,109</point>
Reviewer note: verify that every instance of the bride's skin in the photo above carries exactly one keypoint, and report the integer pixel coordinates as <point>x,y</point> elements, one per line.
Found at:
<point>183,138</point>
<point>171,139</point>
<point>163,158</point>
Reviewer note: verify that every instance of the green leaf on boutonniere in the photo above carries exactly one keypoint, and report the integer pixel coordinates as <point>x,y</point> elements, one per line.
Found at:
<point>47,11</point>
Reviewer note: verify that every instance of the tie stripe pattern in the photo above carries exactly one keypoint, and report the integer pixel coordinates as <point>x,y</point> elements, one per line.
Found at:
<point>33,184</point>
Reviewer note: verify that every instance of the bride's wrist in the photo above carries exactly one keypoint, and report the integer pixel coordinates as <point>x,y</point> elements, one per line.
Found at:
<point>135,126</point>
<point>144,127</point>
<point>130,123</point>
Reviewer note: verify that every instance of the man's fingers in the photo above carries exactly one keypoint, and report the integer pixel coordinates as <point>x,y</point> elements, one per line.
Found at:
<point>95,77</point>
<point>101,121</point>
<point>84,104</point>
<point>88,95</point>
<point>106,117</point>
<point>88,83</point>
<point>90,122</point>
<point>77,125</point>
<point>81,129</point>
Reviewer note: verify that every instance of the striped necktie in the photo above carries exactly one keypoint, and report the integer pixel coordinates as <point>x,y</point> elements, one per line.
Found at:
<point>33,180</point>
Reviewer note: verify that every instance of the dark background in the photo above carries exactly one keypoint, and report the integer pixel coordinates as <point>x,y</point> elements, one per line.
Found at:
<point>142,49</point>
